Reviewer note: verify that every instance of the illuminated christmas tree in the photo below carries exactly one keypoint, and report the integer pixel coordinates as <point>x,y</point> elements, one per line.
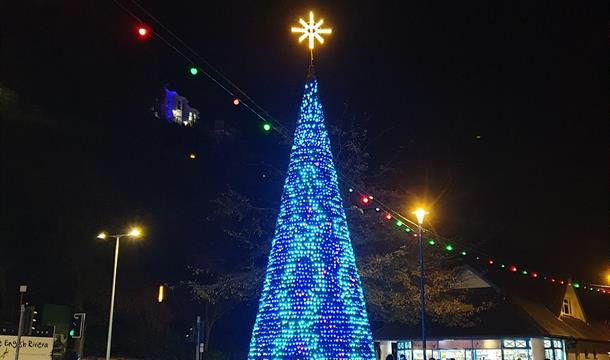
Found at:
<point>312,305</point>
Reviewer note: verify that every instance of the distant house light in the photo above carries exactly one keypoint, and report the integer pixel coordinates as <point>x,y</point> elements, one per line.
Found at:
<point>176,109</point>
<point>566,309</point>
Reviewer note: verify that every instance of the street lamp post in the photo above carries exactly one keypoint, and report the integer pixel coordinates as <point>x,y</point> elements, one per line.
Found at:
<point>420,214</point>
<point>22,290</point>
<point>135,232</point>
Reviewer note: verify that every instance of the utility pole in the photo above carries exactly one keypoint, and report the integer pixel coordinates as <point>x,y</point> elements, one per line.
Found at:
<point>422,301</point>
<point>420,214</point>
<point>22,290</point>
<point>134,233</point>
<point>198,340</point>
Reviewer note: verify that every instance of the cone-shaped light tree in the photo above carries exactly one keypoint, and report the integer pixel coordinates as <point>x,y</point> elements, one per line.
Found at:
<point>312,304</point>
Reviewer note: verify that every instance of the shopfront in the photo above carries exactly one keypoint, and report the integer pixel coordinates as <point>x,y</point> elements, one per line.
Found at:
<point>478,349</point>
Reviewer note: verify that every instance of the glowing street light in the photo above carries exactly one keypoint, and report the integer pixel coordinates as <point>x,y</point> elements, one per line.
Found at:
<point>420,214</point>
<point>133,233</point>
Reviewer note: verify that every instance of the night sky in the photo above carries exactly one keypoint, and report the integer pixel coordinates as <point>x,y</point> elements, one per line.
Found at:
<point>497,109</point>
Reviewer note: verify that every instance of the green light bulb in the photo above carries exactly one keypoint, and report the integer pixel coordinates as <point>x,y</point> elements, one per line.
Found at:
<point>431,242</point>
<point>194,71</point>
<point>449,247</point>
<point>524,272</point>
<point>576,285</point>
<point>72,332</point>
<point>266,126</point>
<point>464,253</point>
<point>408,229</point>
<point>398,223</point>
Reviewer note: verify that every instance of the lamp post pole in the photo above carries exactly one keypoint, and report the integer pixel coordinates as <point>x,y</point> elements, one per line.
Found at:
<point>420,214</point>
<point>116,260</point>
<point>422,300</point>
<point>135,232</point>
<point>22,290</point>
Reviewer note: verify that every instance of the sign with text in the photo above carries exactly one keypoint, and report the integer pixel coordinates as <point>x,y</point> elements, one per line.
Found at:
<point>31,348</point>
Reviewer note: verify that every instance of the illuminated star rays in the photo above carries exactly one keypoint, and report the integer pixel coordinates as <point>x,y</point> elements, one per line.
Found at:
<point>311,31</point>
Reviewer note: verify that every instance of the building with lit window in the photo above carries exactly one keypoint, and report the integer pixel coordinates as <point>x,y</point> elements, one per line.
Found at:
<point>528,321</point>
<point>175,108</point>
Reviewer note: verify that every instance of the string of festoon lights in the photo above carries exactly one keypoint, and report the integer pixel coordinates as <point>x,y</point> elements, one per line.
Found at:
<point>197,64</point>
<point>450,247</point>
<point>400,221</point>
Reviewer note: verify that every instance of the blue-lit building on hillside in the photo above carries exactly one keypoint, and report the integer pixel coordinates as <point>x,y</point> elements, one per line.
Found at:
<point>528,321</point>
<point>175,108</point>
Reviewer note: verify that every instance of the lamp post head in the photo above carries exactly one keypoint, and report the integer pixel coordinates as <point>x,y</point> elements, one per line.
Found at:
<point>102,235</point>
<point>420,214</point>
<point>135,232</point>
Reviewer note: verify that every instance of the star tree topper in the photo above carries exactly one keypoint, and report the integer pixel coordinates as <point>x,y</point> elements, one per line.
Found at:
<point>311,31</point>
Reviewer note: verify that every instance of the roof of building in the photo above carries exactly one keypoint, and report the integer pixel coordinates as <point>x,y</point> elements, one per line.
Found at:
<point>522,308</point>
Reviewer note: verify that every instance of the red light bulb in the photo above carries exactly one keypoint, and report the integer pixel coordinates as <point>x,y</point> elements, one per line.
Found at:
<point>142,31</point>
<point>534,274</point>
<point>388,216</point>
<point>491,262</point>
<point>236,101</point>
<point>513,268</point>
<point>365,200</point>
